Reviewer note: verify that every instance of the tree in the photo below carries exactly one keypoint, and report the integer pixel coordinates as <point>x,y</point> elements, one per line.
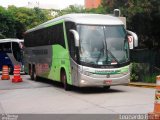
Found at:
<point>71,9</point>
<point>26,18</point>
<point>7,23</point>
<point>143,17</point>
<point>2,36</point>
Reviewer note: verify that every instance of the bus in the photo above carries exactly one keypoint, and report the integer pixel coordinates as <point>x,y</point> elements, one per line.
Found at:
<point>11,53</point>
<point>55,50</point>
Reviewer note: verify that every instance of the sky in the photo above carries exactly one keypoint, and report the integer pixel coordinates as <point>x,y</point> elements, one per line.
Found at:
<point>54,4</point>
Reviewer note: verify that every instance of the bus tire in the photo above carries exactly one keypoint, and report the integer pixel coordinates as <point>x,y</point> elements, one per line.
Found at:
<point>29,70</point>
<point>33,74</point>
<point>64,80</point>
<point>106,87</point>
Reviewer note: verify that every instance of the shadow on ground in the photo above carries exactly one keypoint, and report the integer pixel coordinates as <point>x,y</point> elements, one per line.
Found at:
<point>82,90</point>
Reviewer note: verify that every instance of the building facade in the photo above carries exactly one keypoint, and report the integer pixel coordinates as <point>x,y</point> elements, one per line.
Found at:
<point>92,3</point>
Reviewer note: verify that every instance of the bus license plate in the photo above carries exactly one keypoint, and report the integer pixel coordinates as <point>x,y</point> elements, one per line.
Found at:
<point>107,81</point>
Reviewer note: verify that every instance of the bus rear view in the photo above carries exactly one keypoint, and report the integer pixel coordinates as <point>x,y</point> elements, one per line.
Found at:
<point>11,53</point>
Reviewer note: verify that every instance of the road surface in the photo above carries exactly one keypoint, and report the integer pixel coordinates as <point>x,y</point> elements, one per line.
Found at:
<point>47,97</point>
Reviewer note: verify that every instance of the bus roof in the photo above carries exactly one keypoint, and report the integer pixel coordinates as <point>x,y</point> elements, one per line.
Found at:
<point>10,40</point>
<point>83,18</point>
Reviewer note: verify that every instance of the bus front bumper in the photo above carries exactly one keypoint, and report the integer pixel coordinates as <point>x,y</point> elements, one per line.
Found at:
<point>87,81</point>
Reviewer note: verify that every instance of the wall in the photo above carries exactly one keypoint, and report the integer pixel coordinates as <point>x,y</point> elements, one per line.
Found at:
<point>92,3</point>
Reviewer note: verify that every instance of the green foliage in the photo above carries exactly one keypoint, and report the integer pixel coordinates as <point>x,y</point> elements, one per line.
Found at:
<point>143,72</point>
<point>134,72</point>
<point>150,78</point>
<point>143,17</point>
<point>15,21</point>
<point>29,17</point>
<point>138,71</point>
<point>2,36</point>
<point>134,77</point>
<point>71,9</point>
<point>7,23</point>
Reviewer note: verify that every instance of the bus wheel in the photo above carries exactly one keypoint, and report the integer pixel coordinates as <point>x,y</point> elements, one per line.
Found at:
<point>106,87</point>
<point>33,74</point>
<point>64,80</point>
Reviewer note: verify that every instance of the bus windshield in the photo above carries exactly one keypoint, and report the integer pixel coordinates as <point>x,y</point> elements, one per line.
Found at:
<point>103,45</point>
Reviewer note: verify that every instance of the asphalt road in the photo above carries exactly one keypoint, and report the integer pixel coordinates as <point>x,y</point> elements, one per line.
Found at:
<point>48,97</point>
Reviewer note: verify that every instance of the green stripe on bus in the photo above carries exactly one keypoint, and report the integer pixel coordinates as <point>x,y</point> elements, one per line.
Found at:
<point>111,72</point>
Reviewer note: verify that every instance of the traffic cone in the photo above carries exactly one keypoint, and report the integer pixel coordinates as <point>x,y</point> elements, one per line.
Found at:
<point>17,78</point>
<point>5,73</point>
<point>155,115</point>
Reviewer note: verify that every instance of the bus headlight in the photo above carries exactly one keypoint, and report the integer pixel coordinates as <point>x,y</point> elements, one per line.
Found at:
<point>83,81</point>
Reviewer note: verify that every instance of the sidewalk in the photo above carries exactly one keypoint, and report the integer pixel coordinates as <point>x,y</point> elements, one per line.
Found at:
<point>140,84</point>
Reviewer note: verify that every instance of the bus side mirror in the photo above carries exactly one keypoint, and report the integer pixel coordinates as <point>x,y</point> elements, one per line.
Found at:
<point>76,37</point>
<point>132,39</point>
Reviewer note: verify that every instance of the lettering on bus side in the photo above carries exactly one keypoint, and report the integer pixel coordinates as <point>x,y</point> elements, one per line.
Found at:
<point>40,52</point>
<point>108,71</point>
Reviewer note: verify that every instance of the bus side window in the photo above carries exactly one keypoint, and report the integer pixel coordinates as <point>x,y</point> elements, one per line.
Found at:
<point>5,47</point>
<point>70,39</point>
<point>58,34</point>
<point>17,52</point>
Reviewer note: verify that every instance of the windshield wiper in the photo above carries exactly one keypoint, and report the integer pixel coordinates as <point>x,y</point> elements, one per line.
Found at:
<point>99,55</point>
<point>113,56</point>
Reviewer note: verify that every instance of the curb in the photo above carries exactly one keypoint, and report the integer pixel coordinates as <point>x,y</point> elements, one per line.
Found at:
<point>139,84</point>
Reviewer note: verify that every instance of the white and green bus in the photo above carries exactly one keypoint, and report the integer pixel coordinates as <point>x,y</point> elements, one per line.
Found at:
<point>80,50</point>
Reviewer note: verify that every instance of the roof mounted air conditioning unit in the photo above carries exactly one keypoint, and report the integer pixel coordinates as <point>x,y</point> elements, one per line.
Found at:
<point>117,12</point>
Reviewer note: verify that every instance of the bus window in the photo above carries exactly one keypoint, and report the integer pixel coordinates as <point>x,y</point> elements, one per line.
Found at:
<point>17,51</point>
<point>70,38</point>
<point>5,47</point>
